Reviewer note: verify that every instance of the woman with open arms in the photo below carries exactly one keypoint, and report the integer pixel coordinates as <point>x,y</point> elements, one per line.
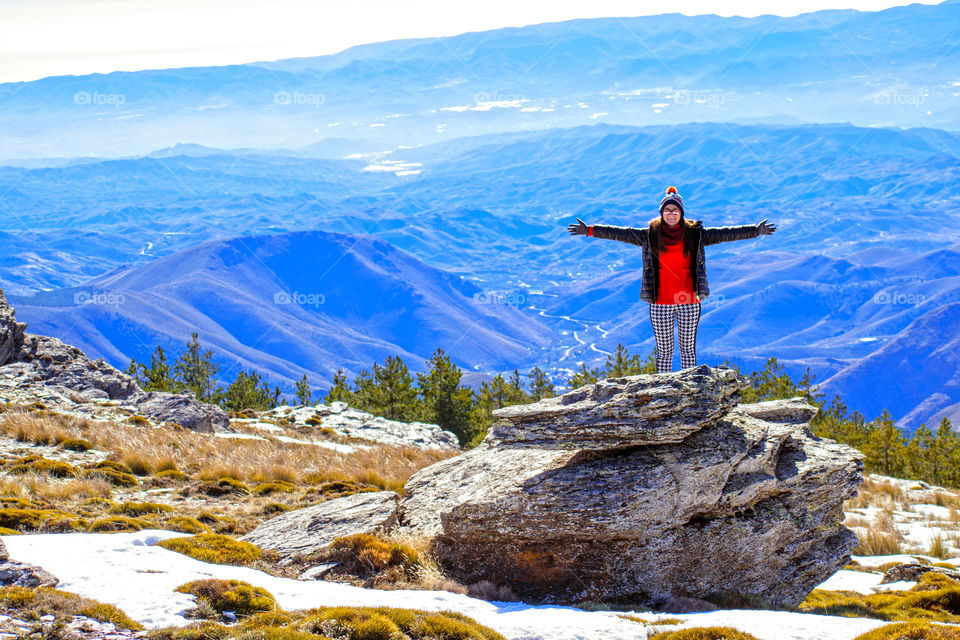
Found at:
<point>674,279</point>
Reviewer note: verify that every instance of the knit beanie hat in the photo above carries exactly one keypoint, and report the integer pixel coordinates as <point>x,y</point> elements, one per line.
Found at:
<point>672,196</point>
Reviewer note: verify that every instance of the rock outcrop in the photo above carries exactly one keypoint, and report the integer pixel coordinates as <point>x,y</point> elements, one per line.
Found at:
<point>355,423</point>
<point>19,574</point>
<point>305,531</point>
<point>647,489</point>
<point>11,331</point>
<point>64,371</point>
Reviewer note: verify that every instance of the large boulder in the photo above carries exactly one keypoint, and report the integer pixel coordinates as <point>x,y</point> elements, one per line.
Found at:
<point>305,531</point>
<point>11,331</point>
<point>60,367</point>
<point>644,489</point>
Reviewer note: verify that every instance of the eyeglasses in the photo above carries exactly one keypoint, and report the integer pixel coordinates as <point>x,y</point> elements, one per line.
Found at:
<point>671,210</point>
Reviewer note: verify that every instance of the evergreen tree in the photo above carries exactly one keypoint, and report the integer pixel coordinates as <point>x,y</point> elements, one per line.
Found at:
<point>584,376</point>
<point>195,370</point>
<point>339,392</point>
<point>516,394</point>
<point>948,443</point>
<point>364,392</point>
<point>443,401</point>
<point>304,395</point>
<point>620,363</point>
<point>540,385</point>
<point>885,447</point>
<point>249,391</point>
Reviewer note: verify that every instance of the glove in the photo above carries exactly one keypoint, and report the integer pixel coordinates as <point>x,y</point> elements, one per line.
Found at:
<point>578,229</point>
<point>765,228</point>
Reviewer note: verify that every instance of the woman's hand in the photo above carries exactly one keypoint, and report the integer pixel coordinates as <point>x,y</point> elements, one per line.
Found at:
<point>765,229</point>
<point>577,229</point>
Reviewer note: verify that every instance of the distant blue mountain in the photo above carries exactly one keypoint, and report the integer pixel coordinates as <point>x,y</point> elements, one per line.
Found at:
<point>492,208</point>
<point>287,305</point>
<point>886,68</point>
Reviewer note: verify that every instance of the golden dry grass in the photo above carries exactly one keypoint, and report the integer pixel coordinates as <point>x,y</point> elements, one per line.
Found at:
<point>151,449</point>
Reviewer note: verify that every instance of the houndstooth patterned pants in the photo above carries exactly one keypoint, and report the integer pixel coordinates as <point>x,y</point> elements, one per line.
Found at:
<point>687,317</point>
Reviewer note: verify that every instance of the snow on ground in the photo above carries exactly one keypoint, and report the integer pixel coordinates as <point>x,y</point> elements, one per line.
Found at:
<point>126,570</point>
<point>862,582</point>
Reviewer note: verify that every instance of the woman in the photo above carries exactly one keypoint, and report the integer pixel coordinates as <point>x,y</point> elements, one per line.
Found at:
<point>674,277</point>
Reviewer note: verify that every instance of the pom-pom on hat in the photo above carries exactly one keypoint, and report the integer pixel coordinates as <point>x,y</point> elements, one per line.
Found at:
<point>672,196</point>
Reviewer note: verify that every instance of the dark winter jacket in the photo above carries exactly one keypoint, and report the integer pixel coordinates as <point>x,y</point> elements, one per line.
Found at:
<point>696,238</point>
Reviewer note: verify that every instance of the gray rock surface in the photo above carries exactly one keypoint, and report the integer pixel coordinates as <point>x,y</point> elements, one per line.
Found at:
<point>912,571</point>
<point>355,423</point>
<point>748,503</point>
<point>305,531</point>
<point>19,574</point>
<point>64,372</point>
<point>11,331</point>
<point>619,412</point>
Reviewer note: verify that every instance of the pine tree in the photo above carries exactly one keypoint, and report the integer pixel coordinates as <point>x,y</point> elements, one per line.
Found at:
<point>249,391</point>
<point>304,395</point>
<point>948,444</point>
<point>443,401</point>
<point>195,370</point>
<point>584,376</point>
<point>540,385</point>
<point>339,392</point>
<point>516,394</point>
<point>885,447</point>
<point>620,363</point>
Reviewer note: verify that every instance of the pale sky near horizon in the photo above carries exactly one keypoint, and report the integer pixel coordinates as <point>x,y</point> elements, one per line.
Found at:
<point>40,38</point>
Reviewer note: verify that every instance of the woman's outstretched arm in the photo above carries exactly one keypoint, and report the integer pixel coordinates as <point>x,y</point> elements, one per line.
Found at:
<point>633,235</point>
<point>716,235</point>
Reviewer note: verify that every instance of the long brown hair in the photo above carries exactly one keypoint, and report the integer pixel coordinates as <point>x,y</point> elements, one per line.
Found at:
<point>689,239</point>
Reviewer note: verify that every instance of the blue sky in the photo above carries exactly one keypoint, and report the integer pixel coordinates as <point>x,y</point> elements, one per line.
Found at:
<point>41,38</point>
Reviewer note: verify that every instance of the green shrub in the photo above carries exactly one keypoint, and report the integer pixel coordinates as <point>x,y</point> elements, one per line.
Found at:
<point>347,622</point>
<point>364,553</point>
<point>186,525</point>
<point>276,507</point>
<point>234,485</point>
<point>140,508</point>
<point>214,548</point>
<point>111,475</point>
<point>111,464</point>
<point>204,631</point>
<point>23,519</point>
<point>76,444</point>
<point>338,487</point>
<point>911,631</point>
<point>4,531</point>
<point>239,597</point>
<point>173,474</point>
<point>140,421</point>
<point>274,487</point>
<point>448,625</point>
<point>30,604</point>
<point>119,523</point>
<point>55,468</point>
<point>706,633</point>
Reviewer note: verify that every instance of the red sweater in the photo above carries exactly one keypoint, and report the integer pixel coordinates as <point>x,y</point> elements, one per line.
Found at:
<point>676,277</point>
